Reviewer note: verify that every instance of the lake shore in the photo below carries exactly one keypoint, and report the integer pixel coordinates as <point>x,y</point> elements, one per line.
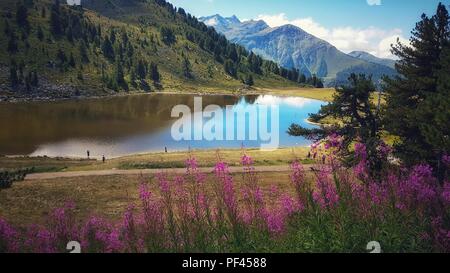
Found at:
<point>175,159</point>
<point>323,94</point>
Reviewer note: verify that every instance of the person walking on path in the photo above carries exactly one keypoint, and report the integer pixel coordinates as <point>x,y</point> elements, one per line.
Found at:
<point>88,154</point>
<point>103,159</point>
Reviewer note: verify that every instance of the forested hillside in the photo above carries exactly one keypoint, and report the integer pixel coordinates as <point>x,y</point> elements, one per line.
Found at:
<point>52,50</point>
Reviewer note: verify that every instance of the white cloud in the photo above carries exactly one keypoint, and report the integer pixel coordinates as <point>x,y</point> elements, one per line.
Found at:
<point>373,40</point>
<point>374,2</point>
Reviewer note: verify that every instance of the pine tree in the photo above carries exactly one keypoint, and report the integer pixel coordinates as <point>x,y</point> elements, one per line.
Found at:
<point>120,77</point>
<point>141,70</point>
<point>69,34</point>
<point>14,80</point>
<point>112,36</point>
<point>187,68</point>
<point>40,33</point>
<point>22,16</point>
<point>72,60</point>
<point>13,47</point>
<point>133,78</point>
<point>230,68</point>
<point>254,62</point>
<point>83,52</point>
<point>319,83</point>
<point>43,12</point>
<point>108,50</point>
<point>61,57</point>
<point>156,77</point>
<point>167,36</point>
<point>28,82</point>
<point>302,78</point>
<point>353,106</point>
<point>80,75</point>
<point>34,79</point>
<point>411,96</point>
<point>55,19</point>
<point>249,80</point>
<point>7,28</point>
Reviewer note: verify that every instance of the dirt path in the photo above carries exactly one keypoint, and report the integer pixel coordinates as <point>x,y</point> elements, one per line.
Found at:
<point>42,176</point>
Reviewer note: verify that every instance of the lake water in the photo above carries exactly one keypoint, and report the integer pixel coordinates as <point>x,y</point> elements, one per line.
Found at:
<point>128,125</point>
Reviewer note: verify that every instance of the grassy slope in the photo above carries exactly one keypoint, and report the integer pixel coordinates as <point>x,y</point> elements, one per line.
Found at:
<point>168,58</point>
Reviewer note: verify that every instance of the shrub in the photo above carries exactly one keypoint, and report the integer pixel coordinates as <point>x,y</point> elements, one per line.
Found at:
<point>7,178</point>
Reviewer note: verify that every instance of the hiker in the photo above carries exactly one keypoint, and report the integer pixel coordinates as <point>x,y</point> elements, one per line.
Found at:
<point>165,149</point>
<point>103,159</point>
<point>309,154</point>
<point>88,154</point>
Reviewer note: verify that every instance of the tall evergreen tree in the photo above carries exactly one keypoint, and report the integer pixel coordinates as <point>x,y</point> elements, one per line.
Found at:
<point>13,47</point>
<point>83,52</point>
<point>22,16</point>
<point>230,68</point>
<point>55,19</point>
<point>34,79</point>
<point>141,70</point>
<point>352,105</point>
<point>40,33</point>
<point>302,78</point>
<point>167,36</point>
<point>411,96</point>
<point>249,80</point>
<point>156,77</point>
<point>72,60</point>
<point>120,77</point>
<point>14,80</point>
<point>108,50</point>
<point>7,28</point>
<point>187,68</point>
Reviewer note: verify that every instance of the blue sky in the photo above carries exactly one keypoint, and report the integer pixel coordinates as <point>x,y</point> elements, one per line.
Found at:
<point>370,25</point>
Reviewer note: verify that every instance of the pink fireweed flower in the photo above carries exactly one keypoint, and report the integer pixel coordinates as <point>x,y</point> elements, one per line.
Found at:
<point>258,195</point>
<point>100,236</point>
<point>290,206</point>
<point>62,224</point>
<point>202,201</point>
<point>360,151</point>
<point>446,160</point>
<point>114,244</point>
<point>191,163</point>
<point>8,238</point>
<point>423,183</point>
<point>441,234</point>
<point>298,179</point>
<point>222,173</point>
<point>247,160</point>
<point>297,173</point>
<point>332,141</point>
<point>163,182</point>
<point>144,193</point>
<point>325,193</point>
<point>445,195</point>
<point>39,240</point>
<point>275,221</point>
<point>274,191</point>
<point>193,172</point>
<point>130,231</point>
<point>384,150</point>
